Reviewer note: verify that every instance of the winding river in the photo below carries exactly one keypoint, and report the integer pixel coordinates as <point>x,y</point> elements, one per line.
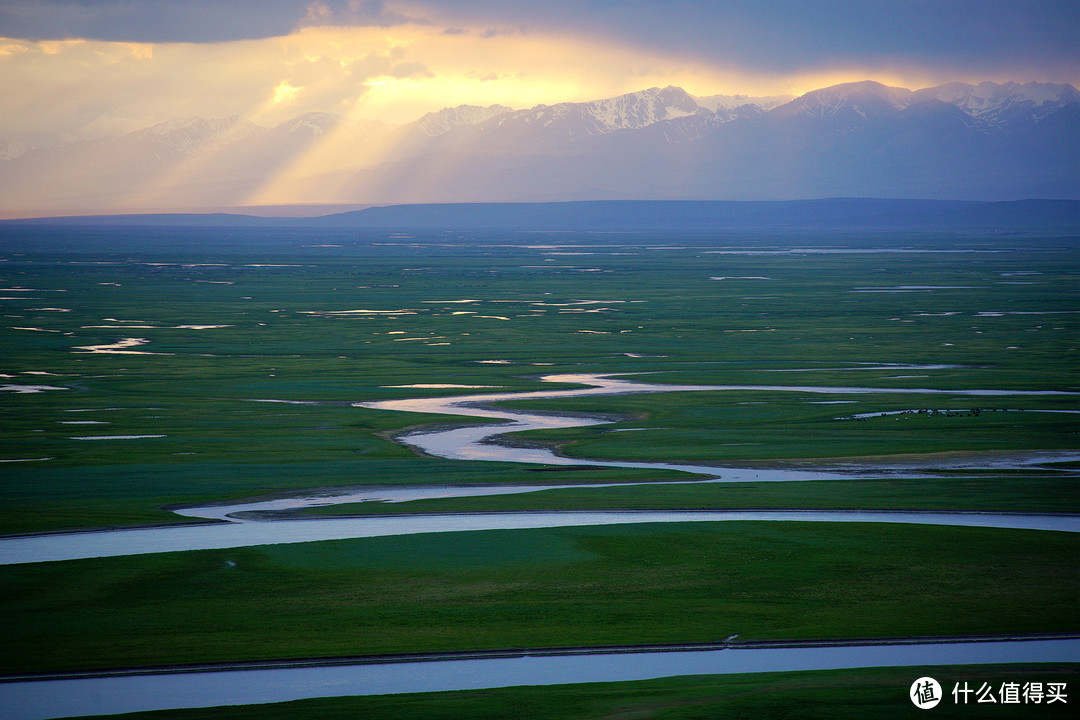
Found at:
<point>475,442</point>
<point>251,523</point>
<point>247,524</point>
<point>37,700</point>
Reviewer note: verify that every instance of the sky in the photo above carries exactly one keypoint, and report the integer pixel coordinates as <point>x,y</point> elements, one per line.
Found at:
<point>81,69</point>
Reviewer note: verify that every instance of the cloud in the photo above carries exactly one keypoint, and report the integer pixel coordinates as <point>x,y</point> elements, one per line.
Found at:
<point>373,13</point>
<point>144,61</point>
<point>149,21</point>
<point>82,89</point>
<point>198,21</point>
<point>411,70</point>
<point>496,32</point>
<point>988,37</point>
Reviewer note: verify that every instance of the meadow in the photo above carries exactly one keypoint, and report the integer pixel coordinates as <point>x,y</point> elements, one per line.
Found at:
<point>569,587</point>
<point>259,316</point>
<point>149,368</point>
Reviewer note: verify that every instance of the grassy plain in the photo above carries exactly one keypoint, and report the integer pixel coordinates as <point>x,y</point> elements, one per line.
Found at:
<point>257,343</point>
<point>729,426</point>
<point>587,586</point>
<point>334,317</point>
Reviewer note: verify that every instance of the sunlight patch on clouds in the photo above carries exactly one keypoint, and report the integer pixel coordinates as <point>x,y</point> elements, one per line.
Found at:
<point>284,92</point>
<point>139,51</point>
<point>517,70</point>
<point>13,48</point>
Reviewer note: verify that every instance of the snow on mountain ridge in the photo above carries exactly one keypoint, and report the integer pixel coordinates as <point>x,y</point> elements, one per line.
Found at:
<point>315,123</point>
<point>639,109</point>
<point>990,104</point>
<point>717,103</point>
<point>999,104</point>
<point>447,119</point>
<point>184,135</point>
<point>848,100</point>
<point>989,94</point>
<point>195,126</point>
<point>554,125</point>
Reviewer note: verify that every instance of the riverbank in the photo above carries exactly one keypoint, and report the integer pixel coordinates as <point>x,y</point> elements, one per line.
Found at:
<point>37,700</point>
<point>732,643</point>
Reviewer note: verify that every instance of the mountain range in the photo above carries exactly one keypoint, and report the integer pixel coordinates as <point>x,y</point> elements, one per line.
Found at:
<point>953,142</point>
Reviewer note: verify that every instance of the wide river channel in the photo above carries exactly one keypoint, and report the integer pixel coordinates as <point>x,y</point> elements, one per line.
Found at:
<point>248,524</point>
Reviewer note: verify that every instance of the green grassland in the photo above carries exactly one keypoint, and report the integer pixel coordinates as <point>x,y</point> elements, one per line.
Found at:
<point>826,694</point>
<point>583,586</point>
<point>541,303</point>
<point>337,317</point>
<point>730,427</point>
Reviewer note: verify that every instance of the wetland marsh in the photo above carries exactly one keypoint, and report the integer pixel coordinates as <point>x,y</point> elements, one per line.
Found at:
<point>150,369</point>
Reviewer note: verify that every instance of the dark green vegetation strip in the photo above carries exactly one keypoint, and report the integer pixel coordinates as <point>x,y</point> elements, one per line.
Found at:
<point>339,316</point>
<point>828,695</point>
<point>539,588</point>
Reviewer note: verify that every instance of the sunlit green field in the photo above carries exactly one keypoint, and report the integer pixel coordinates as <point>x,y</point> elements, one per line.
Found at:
<point>145,369</point>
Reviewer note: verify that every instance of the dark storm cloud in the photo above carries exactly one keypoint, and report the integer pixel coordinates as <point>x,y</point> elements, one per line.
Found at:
<point>782,36</point>
<point>769,36</point>
<point>196,21</point>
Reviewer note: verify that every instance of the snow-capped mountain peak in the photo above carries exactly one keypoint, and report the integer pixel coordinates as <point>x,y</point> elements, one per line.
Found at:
<point>555,125</point>
<point>848,101</point>
<point>571,121</point>
<point>640,109</point>
<point>999,104</point>
<point>447,119</point>
<point>727,103</point>
<point>196,126</point>
<point>181,136</point>
<point>314,123</point>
